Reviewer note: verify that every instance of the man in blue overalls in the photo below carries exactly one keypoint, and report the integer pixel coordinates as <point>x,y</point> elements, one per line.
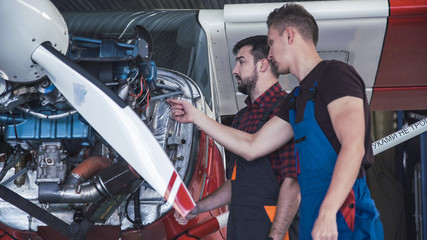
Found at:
<point>253,189</point>
<point>329,116</point>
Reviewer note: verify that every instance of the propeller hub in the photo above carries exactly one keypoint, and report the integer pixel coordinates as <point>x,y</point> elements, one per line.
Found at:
<point>25,25</point>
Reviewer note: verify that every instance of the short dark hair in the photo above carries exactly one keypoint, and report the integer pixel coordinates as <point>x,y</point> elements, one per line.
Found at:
<point>260,49</point>
<point>294,15</point>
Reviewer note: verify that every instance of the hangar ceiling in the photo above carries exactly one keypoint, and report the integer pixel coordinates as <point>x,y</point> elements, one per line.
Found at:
<point>117,5</point>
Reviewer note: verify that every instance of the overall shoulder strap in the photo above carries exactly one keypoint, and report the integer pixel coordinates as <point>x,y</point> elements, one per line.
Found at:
<point>293,96</point>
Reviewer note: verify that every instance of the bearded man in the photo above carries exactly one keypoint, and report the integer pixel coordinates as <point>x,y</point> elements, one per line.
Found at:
<point>257,188</point>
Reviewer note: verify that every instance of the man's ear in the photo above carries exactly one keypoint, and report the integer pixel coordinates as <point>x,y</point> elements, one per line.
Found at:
<point>264,65</point>
<point>289,34</point>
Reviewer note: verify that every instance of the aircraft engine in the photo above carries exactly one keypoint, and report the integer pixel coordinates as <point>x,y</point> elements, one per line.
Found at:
<point>60,163</point>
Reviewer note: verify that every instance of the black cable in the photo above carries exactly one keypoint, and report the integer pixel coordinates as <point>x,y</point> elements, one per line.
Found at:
<point>126,209</point>
<point>195,237</point>
<point>14,127</point>
<point>186,233</point>
<point>8,234</point>
<point>137,207</point>
<point>219,230</point>
<point>93,148</point>
<point>9,163</point>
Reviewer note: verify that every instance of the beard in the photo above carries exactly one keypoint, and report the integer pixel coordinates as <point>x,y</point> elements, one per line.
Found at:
<point>247,85</point>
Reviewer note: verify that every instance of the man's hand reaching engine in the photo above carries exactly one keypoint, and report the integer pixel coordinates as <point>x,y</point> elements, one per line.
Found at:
<point>184,220</point>
<point>182,110</point>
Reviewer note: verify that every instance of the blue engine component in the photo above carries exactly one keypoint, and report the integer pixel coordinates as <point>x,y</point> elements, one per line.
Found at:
<point>87,49</point>
<point>150,73</point>
<point>110,59</point>
<point>32,128</point>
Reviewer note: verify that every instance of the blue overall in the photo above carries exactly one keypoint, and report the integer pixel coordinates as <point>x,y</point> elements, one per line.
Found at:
<point>358,218</point>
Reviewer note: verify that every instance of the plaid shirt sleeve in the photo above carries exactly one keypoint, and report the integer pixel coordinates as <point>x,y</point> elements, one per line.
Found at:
<point>283,160</point>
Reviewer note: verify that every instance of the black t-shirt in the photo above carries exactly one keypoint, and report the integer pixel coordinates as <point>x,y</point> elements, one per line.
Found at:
<point>335,79</point>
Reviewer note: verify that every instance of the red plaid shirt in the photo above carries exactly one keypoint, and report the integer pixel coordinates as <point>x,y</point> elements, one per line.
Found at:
<point>282,161</point>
